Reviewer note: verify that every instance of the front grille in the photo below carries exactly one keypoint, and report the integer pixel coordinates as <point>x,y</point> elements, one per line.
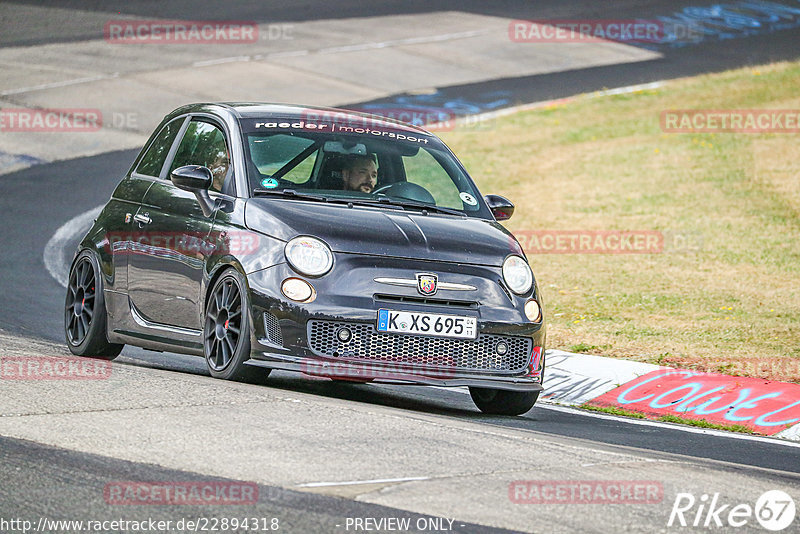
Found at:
<point>462,354</point>
<point>273,329</point>
<point>427,301</point>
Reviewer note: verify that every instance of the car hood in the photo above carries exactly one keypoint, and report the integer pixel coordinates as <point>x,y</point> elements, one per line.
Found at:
<point>384,232</point>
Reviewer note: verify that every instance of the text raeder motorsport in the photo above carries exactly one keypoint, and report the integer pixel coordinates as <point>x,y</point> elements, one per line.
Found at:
<point>333,128</point>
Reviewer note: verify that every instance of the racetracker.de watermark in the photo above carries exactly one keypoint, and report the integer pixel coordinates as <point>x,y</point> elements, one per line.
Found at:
<point>759,367</point>
<point>53,368</point>
<point>436,119</point>
<point>193,244</point>
<point>608,241</point>
<point>124,31</point>
<point>127,493</point>
<point>365,371</point>
<point>591,241</point>
<point>50,120</point>
<point>586,492</point>
<point>597,30</point>
<point>376,125</point>
<point>731,121</point>
<point>418,116</point>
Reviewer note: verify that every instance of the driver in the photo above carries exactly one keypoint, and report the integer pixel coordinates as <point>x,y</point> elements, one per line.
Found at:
<point>360,173</point>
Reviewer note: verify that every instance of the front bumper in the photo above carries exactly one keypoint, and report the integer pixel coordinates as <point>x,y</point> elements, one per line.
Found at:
<point>353,371</point>
<point>301,337</point>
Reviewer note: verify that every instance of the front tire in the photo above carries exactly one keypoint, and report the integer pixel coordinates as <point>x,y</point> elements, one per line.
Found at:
<point>226,330</point>
<point>85,319</point>
<point>503,402</point>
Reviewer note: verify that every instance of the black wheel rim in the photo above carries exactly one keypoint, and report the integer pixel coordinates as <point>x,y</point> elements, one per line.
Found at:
<point>80,304</point>
<point>223,324</point>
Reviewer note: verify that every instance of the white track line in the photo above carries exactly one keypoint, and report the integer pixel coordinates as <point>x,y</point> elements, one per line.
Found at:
<point>403,42</point>
<point>220,61</point>
<point>64,83</point>
<point>55,258</point>
<point>360,482</point>
<point>345,48</point>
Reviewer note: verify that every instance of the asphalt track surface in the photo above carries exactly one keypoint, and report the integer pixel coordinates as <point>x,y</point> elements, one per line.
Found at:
<point>35,202</point>
<point>74,478</point>
<point>678,63</point>
<point>68,28</point>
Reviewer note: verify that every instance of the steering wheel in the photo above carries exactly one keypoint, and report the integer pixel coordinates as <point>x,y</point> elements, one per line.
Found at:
<point>406,190</point>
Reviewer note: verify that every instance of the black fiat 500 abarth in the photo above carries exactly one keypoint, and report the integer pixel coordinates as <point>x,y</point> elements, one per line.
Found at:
<point>323,241</point>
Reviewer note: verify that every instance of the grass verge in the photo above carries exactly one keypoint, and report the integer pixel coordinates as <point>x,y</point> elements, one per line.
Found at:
<point>724,294</point>
<point>668,419</point>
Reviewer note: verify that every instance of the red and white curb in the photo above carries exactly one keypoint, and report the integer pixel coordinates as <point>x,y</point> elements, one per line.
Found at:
<point>767,407</point>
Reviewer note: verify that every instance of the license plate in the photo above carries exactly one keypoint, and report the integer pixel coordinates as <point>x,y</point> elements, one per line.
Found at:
<point>431,324</point>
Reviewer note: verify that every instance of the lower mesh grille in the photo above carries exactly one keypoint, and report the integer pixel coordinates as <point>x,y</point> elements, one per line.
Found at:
<point>369,344</point>
<point>273,329</point>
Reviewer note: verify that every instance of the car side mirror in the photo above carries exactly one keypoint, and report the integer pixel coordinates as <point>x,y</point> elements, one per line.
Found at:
<point>501,207</point>
<point>195,179</point>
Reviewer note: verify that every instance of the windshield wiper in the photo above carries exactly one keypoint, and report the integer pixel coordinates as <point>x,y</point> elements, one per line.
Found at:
<point>385,201</point>
<point>419,205</point>
<point>291,193</point>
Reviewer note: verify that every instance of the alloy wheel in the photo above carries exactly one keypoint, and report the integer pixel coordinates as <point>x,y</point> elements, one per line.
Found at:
<point>223,324</point>
<point>80,304</point>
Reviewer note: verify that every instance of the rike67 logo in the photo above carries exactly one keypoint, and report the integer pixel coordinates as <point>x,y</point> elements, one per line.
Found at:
<point>774,510</point>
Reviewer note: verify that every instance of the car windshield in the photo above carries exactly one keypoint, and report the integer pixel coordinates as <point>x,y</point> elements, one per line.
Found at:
<point>397,167</point>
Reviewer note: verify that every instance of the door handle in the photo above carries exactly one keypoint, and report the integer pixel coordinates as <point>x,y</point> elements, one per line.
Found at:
<point>142,218</point>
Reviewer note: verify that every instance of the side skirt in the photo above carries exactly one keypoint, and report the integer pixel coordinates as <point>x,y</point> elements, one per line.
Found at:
<point>127,325</point>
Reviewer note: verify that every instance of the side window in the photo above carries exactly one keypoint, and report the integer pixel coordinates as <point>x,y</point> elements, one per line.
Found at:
<point>423,169</point>
<point>153,159</point>
<point>204,144</point>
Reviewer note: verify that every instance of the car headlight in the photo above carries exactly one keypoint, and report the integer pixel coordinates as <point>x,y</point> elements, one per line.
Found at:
<point>517,274</point>
<point>309,256</point>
